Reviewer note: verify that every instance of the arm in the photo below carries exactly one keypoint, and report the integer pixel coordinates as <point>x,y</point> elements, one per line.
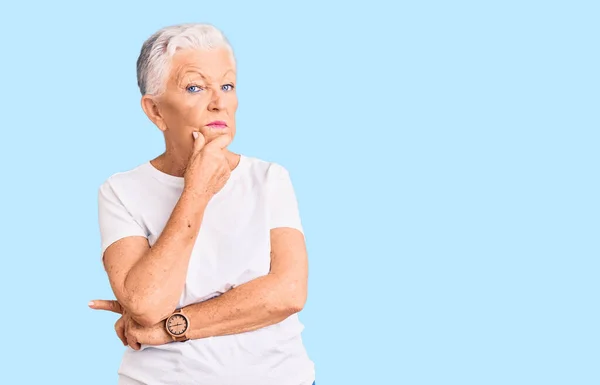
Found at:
<point>263,301</point>
<point>146,281</point>
<point>272,298</point>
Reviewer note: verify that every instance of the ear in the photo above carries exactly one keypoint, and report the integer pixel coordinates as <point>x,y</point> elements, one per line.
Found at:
<point>150,107</point>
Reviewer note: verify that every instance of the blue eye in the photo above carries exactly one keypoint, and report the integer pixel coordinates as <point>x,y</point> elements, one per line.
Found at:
<point>193,89</point>
<point>227,87</point>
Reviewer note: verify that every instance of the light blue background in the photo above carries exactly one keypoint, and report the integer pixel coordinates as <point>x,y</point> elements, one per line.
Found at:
<point>444,154</point>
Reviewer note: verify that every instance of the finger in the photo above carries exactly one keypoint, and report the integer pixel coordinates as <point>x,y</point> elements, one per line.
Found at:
<point>120,329</point>
<point>132,341</point>
<point>134,344</point>
<point>199,141</point>
<point>130,334</point>
<point>110,305</point>
<point>221,141</point>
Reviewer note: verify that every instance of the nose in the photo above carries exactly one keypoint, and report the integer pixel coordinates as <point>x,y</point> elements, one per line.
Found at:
<point>216,101</point>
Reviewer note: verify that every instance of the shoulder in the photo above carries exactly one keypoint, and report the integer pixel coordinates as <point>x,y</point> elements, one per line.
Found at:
<point>265,168</point>
<point>273,176</point>
<point>123,181</point>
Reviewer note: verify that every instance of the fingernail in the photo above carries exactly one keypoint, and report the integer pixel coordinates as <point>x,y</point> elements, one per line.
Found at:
<point>195,135</point>
<point>91,303</point>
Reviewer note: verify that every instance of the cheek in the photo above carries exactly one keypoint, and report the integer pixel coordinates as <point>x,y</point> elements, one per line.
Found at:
<point>192,114</point>
<point>234,103</point>
<point>186,115</point>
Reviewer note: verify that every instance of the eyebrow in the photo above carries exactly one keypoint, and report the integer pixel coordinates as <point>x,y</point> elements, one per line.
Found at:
<point>184,74</point>
<point>228,72</point>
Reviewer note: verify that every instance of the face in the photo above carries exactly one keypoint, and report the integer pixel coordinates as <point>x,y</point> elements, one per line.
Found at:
<point>199,96</point>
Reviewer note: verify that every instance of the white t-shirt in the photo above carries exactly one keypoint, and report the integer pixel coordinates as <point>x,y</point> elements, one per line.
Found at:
<point>233,247</point>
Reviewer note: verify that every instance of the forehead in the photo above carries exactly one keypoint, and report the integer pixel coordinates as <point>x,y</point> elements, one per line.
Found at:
<point>212,64</point>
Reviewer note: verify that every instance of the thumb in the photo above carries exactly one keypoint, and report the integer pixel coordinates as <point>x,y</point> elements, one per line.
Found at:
<point>109,305</point>
<point>199,141</point>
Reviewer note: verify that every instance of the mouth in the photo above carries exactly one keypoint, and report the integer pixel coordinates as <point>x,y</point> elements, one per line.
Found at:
<point>217,124</point>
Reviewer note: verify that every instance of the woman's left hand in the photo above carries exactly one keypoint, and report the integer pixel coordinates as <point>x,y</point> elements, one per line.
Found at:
<point>137,334</point>
<point>134,333</point>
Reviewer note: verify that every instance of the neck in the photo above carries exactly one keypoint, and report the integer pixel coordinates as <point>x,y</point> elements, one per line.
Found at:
<point>173,163</point>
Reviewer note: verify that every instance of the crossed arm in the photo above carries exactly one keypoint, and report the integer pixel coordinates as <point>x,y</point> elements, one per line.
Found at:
<point>147,282</point>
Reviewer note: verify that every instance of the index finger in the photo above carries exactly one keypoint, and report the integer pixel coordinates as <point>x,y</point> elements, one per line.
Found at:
<point>199,141</point>
<point>110,305</point>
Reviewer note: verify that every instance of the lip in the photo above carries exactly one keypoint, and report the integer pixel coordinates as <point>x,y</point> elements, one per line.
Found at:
<point>217,124</point>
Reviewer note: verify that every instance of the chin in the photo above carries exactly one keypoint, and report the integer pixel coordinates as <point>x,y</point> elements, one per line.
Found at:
<point>210,133</point>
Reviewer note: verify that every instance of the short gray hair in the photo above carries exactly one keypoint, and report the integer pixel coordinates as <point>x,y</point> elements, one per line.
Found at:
<point>155,57</point>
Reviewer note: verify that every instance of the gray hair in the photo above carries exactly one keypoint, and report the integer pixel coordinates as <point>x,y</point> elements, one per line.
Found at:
<point>155,57</point>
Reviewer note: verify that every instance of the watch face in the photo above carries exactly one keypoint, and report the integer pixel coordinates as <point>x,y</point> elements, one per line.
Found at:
<point>177,324</point>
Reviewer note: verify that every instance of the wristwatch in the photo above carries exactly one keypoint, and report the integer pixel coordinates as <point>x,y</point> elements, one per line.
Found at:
<point>177,325</point>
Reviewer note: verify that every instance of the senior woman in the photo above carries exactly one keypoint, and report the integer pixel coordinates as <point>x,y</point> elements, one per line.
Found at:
<point>203,248</point>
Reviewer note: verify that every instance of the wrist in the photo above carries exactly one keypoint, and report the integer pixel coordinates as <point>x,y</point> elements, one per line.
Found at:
<point>177,326</point>
<point>198,328</point>
<point>198,195</point>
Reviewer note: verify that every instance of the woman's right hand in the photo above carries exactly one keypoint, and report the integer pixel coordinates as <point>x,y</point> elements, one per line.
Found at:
<point>208,169</point>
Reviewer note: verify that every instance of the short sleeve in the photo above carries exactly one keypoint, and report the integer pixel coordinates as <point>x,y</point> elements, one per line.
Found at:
<point>283,205</point>
<point>114,219</point>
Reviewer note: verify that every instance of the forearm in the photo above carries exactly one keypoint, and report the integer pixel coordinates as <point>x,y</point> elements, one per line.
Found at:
<point>261,302</point>
<point>154,284</point>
